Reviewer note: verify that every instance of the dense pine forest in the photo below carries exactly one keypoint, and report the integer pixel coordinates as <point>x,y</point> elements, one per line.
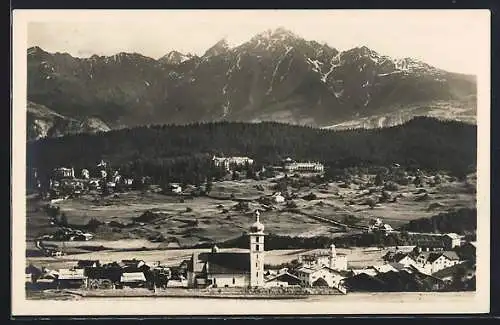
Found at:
<point>177,152</point>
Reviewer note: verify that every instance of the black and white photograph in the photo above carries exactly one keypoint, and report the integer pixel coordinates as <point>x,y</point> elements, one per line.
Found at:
<point>250,162</point>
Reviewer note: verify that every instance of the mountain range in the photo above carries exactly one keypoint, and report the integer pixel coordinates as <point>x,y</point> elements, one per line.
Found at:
<point>275,76</point>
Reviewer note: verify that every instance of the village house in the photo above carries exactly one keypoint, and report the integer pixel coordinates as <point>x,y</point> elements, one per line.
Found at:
<point>468,251</point>
<point>448,274</point>
<point>291,166</point>
<point>330,258</point>
<point>378,225</point>
<point>85,173</point>
<point>281,279</point>
<point>103,277</point>
<point>133,279</point>
<point>405,259</point>
<point>82,264</point>
<point>174,188</point>
<point>231,269</point>
<point>228,162</point>
<point>63,172</point>
<point>320,276</point>
<point>451,240</point>
<point>71,278</point>
<point>278,198</point>
<point>391,277</point>
<point>431,262</point>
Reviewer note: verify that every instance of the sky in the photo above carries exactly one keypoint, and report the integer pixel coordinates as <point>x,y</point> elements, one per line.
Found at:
<point>454,40</point>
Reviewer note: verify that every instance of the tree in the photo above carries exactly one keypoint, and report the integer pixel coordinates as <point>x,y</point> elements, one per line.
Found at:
<point>64,220</point>
<point>371,202</point>
<point>208,185</point>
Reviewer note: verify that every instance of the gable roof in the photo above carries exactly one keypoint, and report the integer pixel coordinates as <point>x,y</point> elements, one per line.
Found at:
<point>226,262</point>
<point>397,266</point>
<point>431,257</point>
<point>282,275</point>
<point>396,256</point>
<point>452,235</point>
<point>309,270</point>
<point>71,274</point>
<point>452,255</point>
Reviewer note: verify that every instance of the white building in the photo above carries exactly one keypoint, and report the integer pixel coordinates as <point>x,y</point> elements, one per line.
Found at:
<point>291,166</point>
<point>452,240</point>
<point>378,225</point>
<point>231,269</point>
<point>278,198</point>
<point>431,262</point>
<point>63,172</point>
<point>85,174</point>
<point>175,188</point>
<point>320,276</point>
<point>329,258</point>
<point>229,162</point>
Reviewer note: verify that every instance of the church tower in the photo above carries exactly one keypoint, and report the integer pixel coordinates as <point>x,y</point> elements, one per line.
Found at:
<point>257,253</point>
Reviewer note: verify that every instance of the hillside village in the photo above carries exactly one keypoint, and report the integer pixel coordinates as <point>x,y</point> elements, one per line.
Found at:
<point>435,261</point>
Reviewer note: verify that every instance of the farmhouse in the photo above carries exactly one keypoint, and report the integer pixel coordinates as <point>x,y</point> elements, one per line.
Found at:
<point>431,262</point>
<point>330,258</point>
<point>229,269</point>
<point>229,162</point>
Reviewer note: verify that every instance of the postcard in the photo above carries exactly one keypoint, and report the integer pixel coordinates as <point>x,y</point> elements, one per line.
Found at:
<point>250,162</point>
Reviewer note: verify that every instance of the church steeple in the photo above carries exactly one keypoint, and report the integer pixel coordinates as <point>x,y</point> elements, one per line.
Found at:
<point>257,252</point>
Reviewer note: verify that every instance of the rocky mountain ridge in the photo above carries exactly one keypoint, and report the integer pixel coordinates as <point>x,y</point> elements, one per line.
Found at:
<point>275,76</point>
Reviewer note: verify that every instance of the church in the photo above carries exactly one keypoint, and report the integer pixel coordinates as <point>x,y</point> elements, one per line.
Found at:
<point>230,269</point>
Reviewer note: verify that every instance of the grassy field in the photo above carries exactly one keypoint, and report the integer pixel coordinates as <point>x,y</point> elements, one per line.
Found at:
<point>218,217</point>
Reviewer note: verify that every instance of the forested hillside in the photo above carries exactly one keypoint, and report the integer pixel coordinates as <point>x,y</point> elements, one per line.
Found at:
<point>173,152</point>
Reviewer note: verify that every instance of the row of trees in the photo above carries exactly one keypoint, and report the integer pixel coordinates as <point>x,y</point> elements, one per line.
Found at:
<point>460,221</point>
<point>176,153</point>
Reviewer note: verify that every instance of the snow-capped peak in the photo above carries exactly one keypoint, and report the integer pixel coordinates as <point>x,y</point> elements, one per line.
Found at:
<point>220,47</point>
<point>175,57</point>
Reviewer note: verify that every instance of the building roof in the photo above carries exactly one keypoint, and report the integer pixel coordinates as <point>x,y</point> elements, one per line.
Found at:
<point>309,270</point>
<point>281,276</point>
<point>384,268</point>
<point>452,255</point>
<point>226,262</point>
<point>452,235</point>
<point>397,266</point>
<point>133,277</point>
<point>395,256</point>
<point>433,256</point>
<point>449,271</point>
<point>71,274</point>
<point>473,243</point>
<point>88,263</point>
<point>366,271</point>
